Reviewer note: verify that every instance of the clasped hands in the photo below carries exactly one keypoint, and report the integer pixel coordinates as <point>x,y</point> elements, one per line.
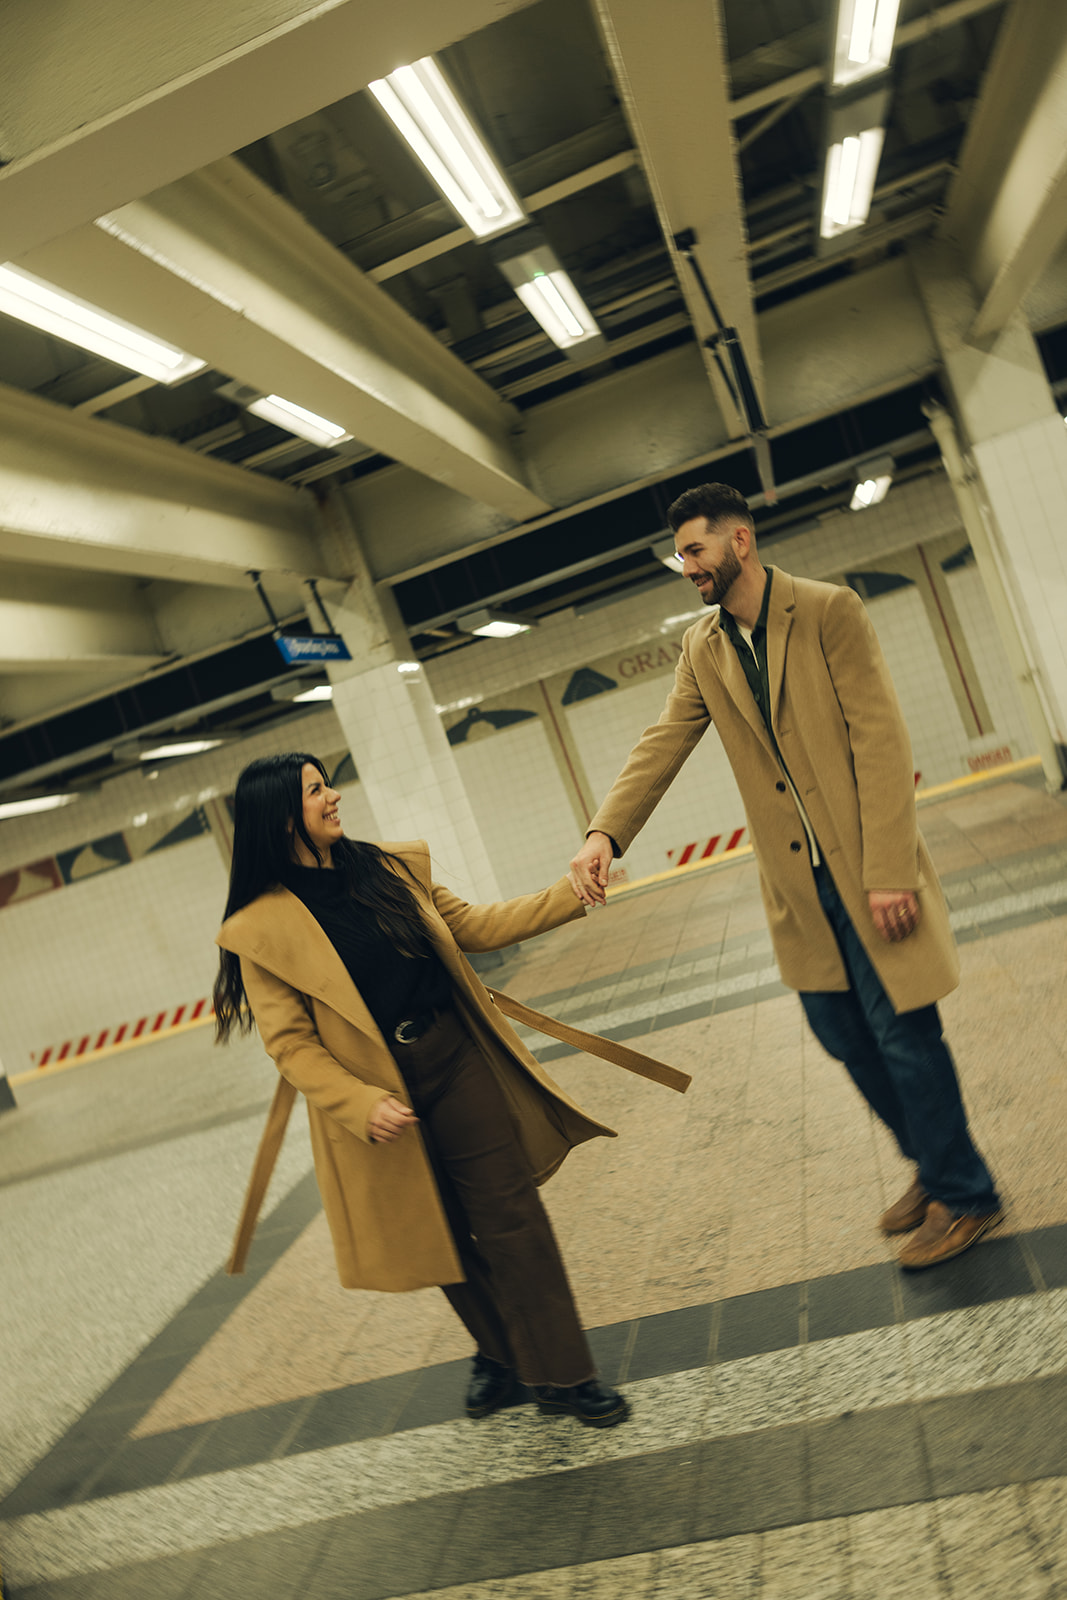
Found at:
<point>589,870</point>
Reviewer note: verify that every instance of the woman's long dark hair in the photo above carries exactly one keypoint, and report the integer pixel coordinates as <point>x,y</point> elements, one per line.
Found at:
<point>268,808</point>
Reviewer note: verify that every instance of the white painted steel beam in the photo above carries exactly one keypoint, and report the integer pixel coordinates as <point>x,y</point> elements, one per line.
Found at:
<point>670,66</point>
<point>229,271</point>
<point>926,26</point>
<point>1007,208</point>
<point>105,104</point>
<point>840,345</point>
<point>80,492</point>
<point>50,621</point>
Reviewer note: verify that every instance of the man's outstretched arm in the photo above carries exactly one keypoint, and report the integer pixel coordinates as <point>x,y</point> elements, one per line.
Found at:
<point>650,769</point>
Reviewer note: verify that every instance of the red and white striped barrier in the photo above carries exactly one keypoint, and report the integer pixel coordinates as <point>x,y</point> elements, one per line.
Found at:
<point>145,1028</point>
<point>688,852</point>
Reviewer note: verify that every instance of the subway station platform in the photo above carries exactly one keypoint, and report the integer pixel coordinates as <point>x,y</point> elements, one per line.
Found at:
<point>807,1421</point>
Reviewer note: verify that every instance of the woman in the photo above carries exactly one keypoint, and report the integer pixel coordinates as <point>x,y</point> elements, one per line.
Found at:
<point>431,1125</point>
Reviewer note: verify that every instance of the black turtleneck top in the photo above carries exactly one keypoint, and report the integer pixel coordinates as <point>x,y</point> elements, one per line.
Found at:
<point>393,986</point>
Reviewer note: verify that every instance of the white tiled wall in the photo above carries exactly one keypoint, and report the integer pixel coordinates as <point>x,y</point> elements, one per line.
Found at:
<point>110,949</point>
<point>938,738</point>
<point>409,774</point>
<point>1010,726</point>
<point>1025,477</point>
<point>179,787</point>
<point>115,946</point>
<point>520,805</point>
<point>703,800</point>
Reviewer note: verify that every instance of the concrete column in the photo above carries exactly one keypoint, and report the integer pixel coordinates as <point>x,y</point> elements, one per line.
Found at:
<point>386,709</point>
<point>1006,456</point>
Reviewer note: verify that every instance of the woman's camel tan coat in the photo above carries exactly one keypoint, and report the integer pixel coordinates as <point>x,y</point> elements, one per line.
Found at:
<point>381,1201</point>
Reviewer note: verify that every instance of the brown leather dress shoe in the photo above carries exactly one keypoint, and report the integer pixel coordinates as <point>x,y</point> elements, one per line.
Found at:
<point>943,1236</point>
<point>908,1211</point>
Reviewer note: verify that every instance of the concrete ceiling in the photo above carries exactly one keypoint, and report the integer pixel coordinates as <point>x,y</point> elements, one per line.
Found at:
<point>248,202</point>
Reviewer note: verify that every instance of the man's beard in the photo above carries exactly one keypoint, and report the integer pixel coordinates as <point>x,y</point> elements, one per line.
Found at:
<point>723,578</point>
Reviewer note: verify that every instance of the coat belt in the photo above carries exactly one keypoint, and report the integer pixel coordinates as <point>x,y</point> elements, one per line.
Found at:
<point>270,1143</point>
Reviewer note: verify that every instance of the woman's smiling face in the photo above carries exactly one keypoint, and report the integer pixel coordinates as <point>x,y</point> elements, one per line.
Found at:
<point>321,822</point>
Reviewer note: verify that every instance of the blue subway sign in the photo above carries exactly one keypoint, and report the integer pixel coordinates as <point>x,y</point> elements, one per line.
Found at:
<point>299,647</point>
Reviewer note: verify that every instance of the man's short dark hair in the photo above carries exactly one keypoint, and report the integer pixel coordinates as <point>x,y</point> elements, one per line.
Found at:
<point>716,501</point>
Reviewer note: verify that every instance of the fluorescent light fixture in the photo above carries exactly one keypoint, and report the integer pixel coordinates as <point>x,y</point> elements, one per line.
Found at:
<point>44,306</point>
<point>664,551</point>
<point>869,493</point>
<point>321,691</point>
<point>851,167</point>
<point>186,747</point>
<point>419,101</point>
<point>872,483</point>
<point>42,802</point>
<point>537,277</point>
<point>863,42</point>
<point>493,624</point>
<point>295,419</point>
<point>408,667</point>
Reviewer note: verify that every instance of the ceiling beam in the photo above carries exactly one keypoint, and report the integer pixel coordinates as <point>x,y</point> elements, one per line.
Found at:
<point>1007,207</point>
<point>539,200</point>
<point>837,347</point>
<point>670,66</point>
<point>79,492</point>
<point>926,26</point>
<point>52,621</point>
<point>226,269</point>
<point>148,93</point>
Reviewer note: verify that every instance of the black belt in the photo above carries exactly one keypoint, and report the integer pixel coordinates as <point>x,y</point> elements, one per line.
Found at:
<point>413,1028</point>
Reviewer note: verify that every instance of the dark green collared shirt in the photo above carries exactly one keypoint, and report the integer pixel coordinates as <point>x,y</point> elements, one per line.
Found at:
<point>754,666</point>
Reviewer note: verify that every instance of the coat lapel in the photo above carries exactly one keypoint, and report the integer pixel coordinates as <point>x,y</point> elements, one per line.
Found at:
<point>278,932</point>
<point>779,623</point>
<point>732,674</point>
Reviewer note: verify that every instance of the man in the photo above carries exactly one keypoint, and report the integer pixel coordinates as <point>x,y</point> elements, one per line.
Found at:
<point>791,673</point>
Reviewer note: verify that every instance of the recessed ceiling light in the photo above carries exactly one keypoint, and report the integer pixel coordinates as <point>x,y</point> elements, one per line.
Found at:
<point>185,747</point>
<point>297,419</point>
<point>537,276</point>
<point>424,110</point>
<point>863,42</point>
<point>493,624</point>
<point>41,802</point>
<point>41,304</point>
<point>664,551</point>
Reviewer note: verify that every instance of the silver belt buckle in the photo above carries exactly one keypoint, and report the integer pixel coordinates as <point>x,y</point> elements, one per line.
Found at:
<point>400,1033</point>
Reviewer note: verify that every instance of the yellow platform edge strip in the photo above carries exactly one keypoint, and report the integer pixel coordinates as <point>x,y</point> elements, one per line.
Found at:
<point>108,1050</point>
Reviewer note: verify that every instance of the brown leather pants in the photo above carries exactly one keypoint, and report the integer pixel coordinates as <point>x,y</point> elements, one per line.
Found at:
<point>516,1302</point>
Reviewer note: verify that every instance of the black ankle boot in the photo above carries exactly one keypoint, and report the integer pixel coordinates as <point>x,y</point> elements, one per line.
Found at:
<point>592,1402</point>
<point>491,1386</point>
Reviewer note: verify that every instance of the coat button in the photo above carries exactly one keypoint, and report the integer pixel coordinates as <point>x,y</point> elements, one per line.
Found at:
<point>780,787</point>
<point>794,845</point>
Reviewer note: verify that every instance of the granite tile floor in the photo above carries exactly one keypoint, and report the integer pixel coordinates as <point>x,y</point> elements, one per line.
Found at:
<point>807,1421</point>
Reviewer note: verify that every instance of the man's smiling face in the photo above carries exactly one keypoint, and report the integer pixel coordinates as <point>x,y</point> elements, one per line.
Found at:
<point>709,559</point>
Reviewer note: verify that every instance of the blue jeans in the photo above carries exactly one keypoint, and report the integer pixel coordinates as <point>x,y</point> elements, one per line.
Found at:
<point>902,1066</point>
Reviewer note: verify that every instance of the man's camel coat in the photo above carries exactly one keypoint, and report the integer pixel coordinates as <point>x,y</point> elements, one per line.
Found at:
<point>381,1202</point>
<point>841,734</point>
